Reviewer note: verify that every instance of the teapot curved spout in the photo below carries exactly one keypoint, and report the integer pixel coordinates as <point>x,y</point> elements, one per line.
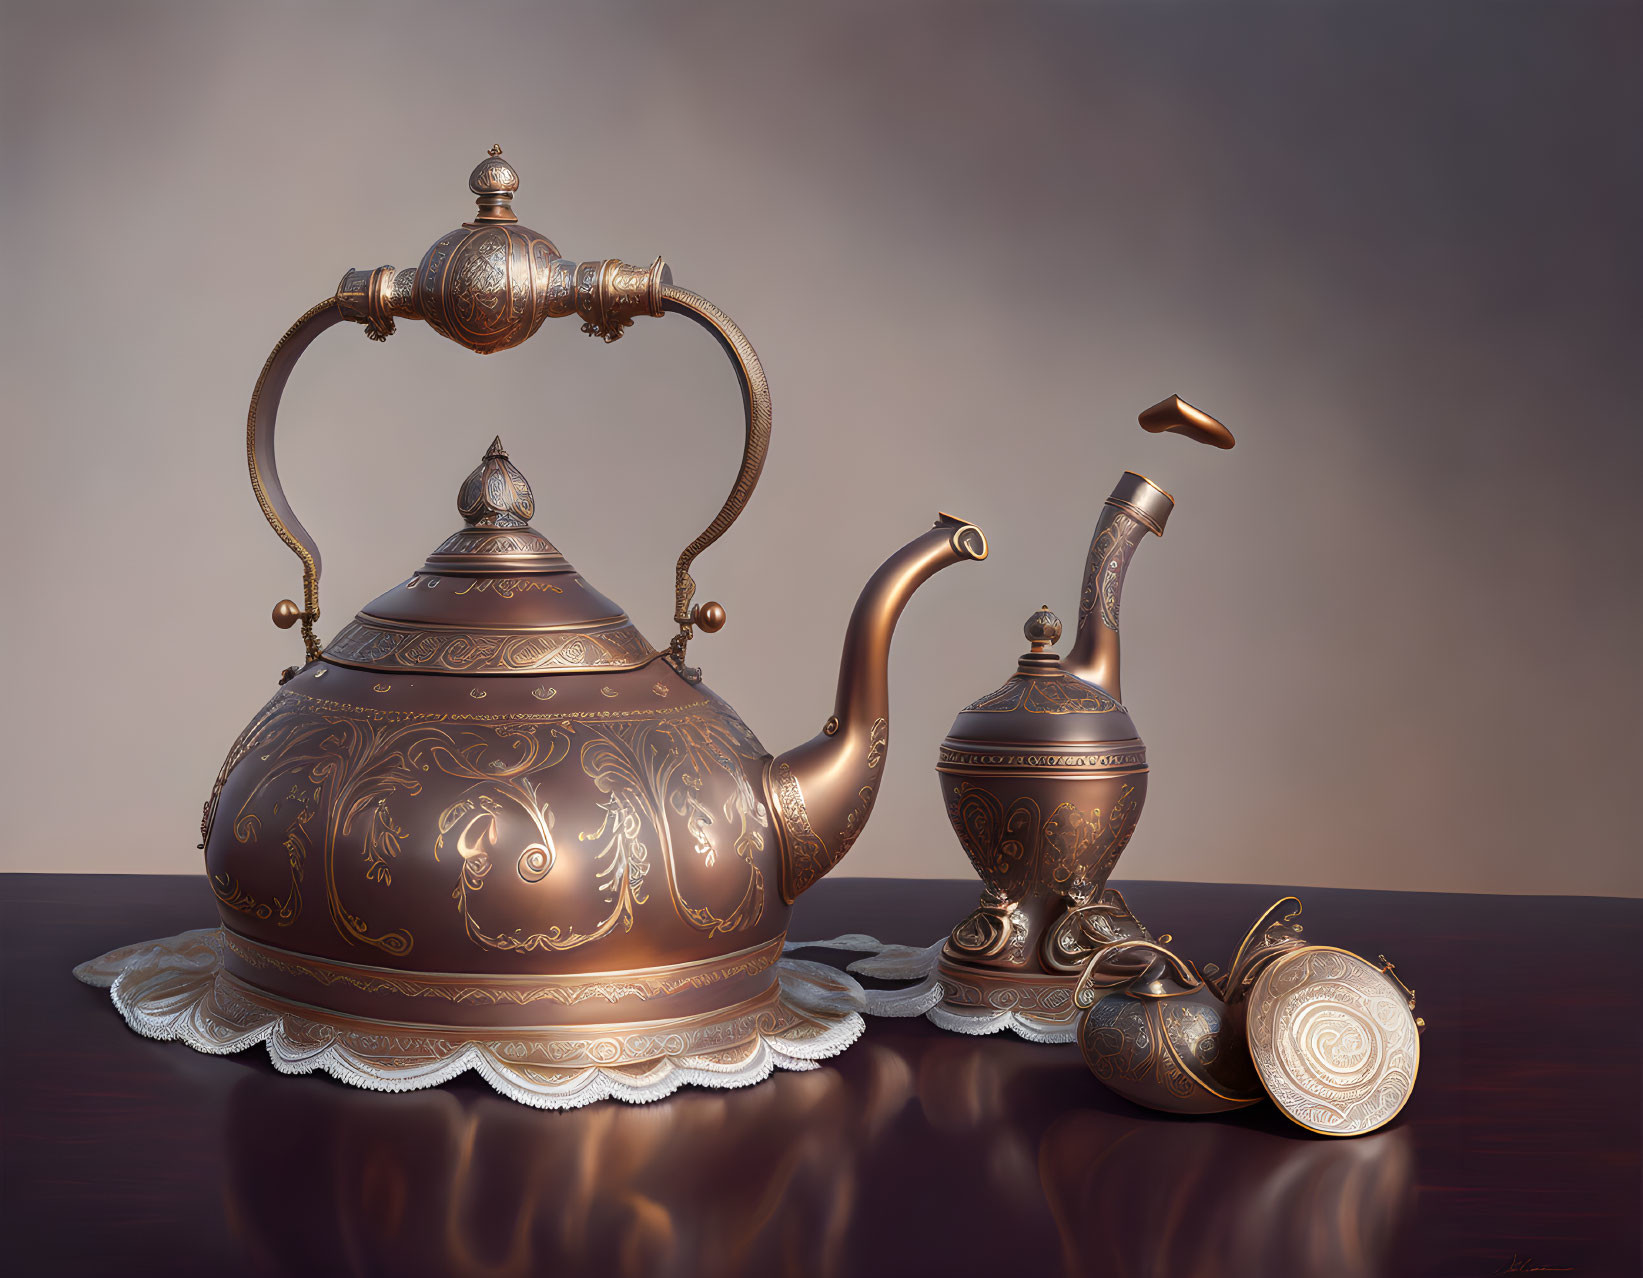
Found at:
<point>1136,507</point>
<point>823,791</point>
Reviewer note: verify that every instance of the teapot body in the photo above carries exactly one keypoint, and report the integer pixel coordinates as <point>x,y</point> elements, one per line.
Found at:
<point>427,847</point>
<point>489,806</point>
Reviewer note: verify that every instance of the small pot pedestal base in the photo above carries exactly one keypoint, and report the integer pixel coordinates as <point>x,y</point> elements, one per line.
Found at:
<point>983,994</point>
<point>985,1000</point>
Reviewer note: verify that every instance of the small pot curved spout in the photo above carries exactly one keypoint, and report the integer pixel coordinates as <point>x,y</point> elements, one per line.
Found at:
<point>823,791</point>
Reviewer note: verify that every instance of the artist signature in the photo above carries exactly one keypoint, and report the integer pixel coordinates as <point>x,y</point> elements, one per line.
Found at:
<point>1526,1265</point>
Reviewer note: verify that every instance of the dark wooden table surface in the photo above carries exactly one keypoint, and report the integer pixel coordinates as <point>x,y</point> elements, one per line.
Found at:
<point>915,1152</point>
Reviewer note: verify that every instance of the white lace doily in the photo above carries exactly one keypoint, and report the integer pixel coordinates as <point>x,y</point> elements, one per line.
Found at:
<point>174,988</point>
<point>910,963</point>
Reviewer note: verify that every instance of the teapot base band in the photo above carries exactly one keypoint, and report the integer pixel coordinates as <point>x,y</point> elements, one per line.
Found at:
<point>459,1001</point>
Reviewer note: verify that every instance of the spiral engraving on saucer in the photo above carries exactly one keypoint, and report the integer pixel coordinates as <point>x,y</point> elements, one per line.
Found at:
<point>1334,1040</point>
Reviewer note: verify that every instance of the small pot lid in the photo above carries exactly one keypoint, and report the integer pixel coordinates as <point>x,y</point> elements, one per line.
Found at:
<point>1042,703</point>
<point>495,597</point>
<point>1334,1039</point>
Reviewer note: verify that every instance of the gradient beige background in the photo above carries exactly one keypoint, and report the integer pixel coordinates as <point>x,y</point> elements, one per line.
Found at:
<point>1391,640</point>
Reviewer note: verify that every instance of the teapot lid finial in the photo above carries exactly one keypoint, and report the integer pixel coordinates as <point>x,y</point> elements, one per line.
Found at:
<point>494,181</point>
<point>496,493</point>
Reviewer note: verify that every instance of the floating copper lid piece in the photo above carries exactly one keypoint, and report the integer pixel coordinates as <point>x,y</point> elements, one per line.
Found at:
<point>1177,417</point>
<point>1335,1039</point>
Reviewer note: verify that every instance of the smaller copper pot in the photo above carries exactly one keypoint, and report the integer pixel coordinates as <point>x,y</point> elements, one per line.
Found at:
<point>1170,1037</point>
<point>1161,1037</point>
<point>1043,780</point>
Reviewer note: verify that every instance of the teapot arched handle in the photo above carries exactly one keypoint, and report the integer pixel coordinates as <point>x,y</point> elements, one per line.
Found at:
<point>265,478</point>
<point>756,405</point>
<point>265,474</point>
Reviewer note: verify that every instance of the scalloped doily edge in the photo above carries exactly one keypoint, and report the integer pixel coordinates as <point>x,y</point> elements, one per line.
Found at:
<point>833,1001</point>
<point>908,962</point>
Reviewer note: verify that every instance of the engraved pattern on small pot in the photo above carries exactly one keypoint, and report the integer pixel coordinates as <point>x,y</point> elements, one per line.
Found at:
<point>1090,926</point>
<point>1197,1031</point>
<point>1046,1000</point>
<point>981,932</point>
<point>966,757</point>
<point>1045,694</point>
<point>1017,850</point>
<point>1111,549</point>
<point>1123,1045</point>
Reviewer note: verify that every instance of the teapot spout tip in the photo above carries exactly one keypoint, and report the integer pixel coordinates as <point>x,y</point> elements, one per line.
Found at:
<point>968,539</point>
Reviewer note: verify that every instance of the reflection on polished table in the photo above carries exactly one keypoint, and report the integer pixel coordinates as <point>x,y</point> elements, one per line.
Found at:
<point>915,1152</point>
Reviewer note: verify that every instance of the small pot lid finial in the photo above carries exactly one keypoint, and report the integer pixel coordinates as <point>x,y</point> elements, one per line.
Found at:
<point>1043,629</point>
<point>494,181</point>
<point>1042,703</point>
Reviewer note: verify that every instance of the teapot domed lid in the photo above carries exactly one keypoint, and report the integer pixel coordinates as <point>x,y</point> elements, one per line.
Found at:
<point>495,597</point>
<point>1043,703</point>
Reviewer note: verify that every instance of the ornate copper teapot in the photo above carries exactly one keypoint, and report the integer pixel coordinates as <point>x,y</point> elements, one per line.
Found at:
<point>1043,781</point>
<point>488,804</point>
